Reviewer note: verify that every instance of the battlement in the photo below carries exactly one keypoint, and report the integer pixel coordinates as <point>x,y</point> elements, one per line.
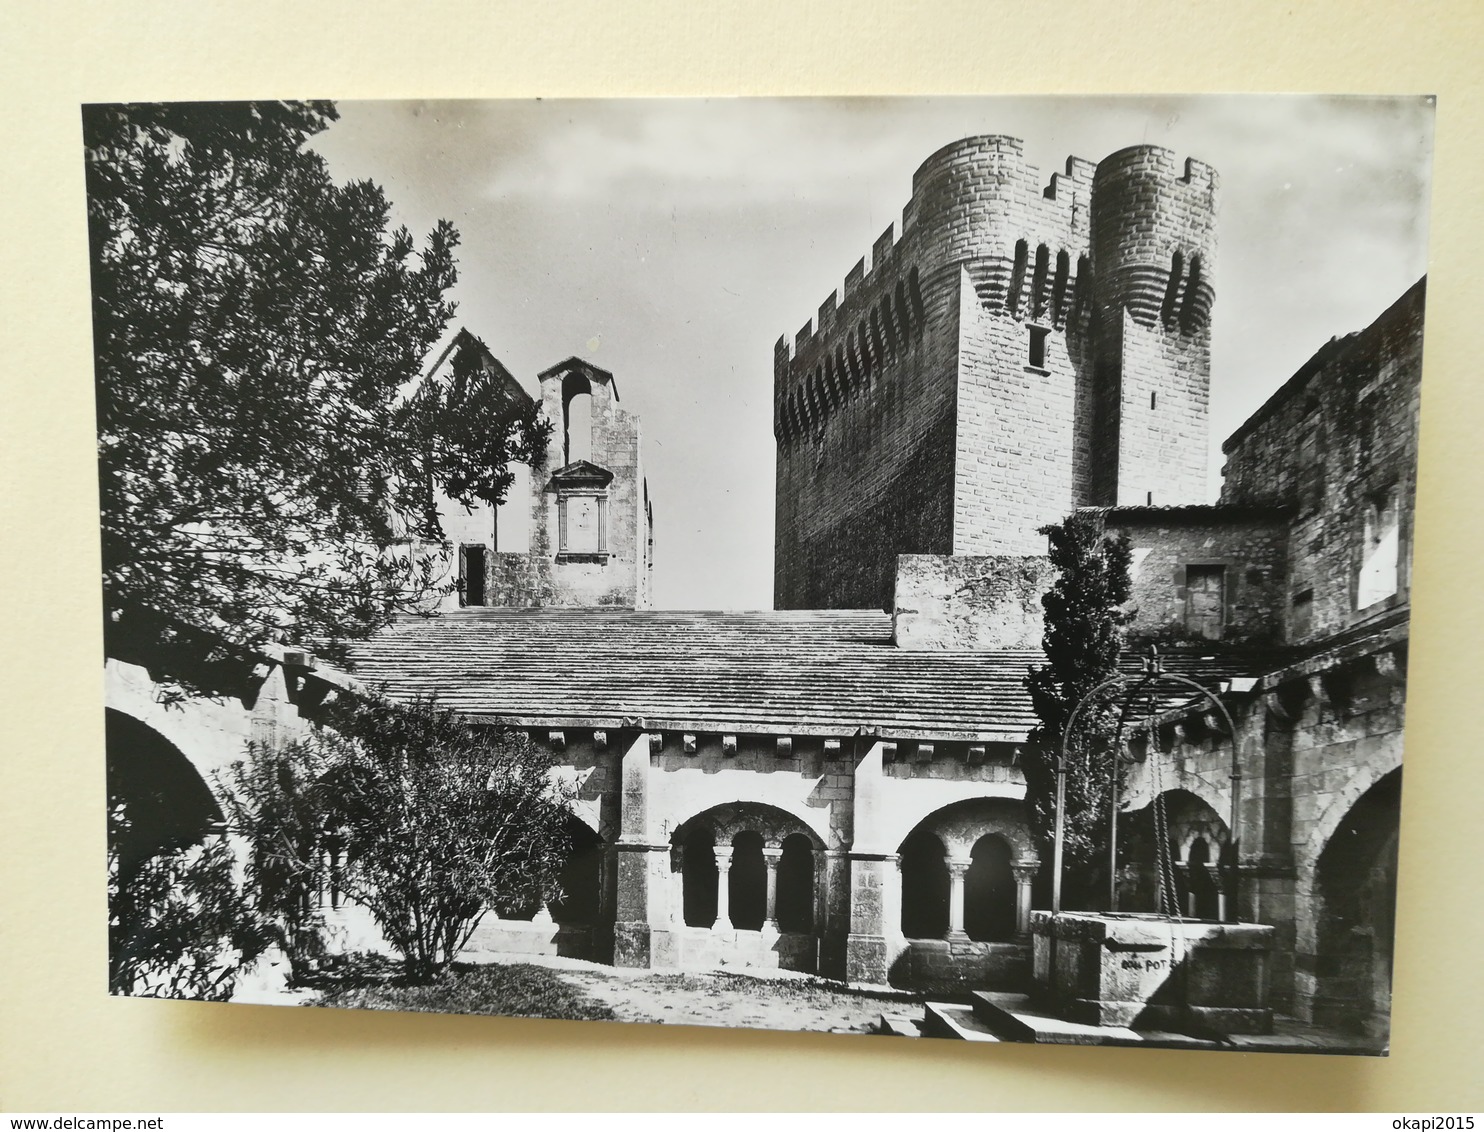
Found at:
<point>974,202</point>
<point>1156,160</point>
<point>1154,237</point>
<point>1015,346</point>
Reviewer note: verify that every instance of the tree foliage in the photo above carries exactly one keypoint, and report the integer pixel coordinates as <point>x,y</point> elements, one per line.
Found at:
<point>432,823</point>
<point>1082,639</point>
<point>266,455</point>
<point>178,924</point>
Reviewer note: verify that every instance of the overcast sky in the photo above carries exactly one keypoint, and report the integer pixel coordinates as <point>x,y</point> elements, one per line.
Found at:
<point>672,242</point>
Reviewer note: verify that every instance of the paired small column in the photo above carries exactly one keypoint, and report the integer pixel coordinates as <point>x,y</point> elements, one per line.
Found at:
<point>1025,872</point>
<point>958,868</point>
<point>723,888</point>
<point>1218,881</point>
<point>771,856</point>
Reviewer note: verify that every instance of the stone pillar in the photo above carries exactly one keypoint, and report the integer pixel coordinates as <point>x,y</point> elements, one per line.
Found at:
<point>958,867</point>
<point>677,886</point>
<point>771,856</point>
<point>821,892</point>
<point>875,889</point>
<point>723,889</point>
<point>875,884</point>
<point>1025,872</point>
<point>631,929</point>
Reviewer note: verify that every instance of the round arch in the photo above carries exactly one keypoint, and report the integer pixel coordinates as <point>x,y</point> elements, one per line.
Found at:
<point>164,801</point>
<point>728,819</point>
<point>750,837</point>
<point>960,825</point>
<point>958,870</point>
<point>1363,779</point>
<point>1355,887</point>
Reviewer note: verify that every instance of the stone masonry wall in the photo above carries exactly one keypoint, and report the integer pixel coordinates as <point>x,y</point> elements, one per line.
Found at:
<point>961,601</point>
<point>871,461</point>
<point>1340,436</point>
<point>1251,550</point>
<point>546,577</point>
<point>866,474</point>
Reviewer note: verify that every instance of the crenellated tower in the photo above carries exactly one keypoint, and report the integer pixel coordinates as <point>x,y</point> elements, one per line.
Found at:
<point>1154,247</point>
<point>985,373</point>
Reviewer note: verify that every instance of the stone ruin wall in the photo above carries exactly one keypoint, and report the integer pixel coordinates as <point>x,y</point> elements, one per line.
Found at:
<point>1341,432</point>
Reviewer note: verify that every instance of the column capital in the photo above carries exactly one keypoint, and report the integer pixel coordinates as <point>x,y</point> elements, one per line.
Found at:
<point>958,867</point>
<point>772,855</point>
<point>723,858</point>
<point>1025,871</point>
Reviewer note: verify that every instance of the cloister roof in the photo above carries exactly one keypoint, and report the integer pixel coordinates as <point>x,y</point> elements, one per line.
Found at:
<point>818,672</point>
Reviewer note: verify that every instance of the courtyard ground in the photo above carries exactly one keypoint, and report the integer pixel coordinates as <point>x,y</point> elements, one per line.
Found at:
<point>574,989</point>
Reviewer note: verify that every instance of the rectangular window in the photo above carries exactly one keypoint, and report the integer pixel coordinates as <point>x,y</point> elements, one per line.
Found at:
<point>1037,353</point>
<point>1379,552</point>
<point>1301,619</point>
<point>1205,601</point>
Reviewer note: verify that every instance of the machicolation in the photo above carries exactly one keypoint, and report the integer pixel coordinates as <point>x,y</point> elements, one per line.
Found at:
<point>1019,348</point>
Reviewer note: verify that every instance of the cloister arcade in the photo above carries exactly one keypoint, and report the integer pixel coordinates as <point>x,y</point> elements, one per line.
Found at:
<point>1197,850</point>
<point>966,873</point>
<point>749,867</point>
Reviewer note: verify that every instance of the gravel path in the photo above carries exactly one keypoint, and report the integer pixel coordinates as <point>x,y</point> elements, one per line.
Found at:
<point>738,1000</point>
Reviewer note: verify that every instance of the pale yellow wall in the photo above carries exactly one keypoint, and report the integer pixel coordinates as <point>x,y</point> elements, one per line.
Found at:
<point>65,1045</point>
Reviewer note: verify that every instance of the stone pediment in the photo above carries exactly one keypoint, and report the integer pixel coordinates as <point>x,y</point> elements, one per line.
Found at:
<point>581,473</point>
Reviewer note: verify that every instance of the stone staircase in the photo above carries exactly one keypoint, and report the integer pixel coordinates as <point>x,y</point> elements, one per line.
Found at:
<point>994,1016</point>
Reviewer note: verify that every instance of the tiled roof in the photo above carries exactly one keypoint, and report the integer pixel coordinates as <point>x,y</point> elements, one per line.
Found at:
<point>791,672</point>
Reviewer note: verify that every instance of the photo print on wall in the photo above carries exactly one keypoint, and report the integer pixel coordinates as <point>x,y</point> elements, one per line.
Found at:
<point>1020,655</point>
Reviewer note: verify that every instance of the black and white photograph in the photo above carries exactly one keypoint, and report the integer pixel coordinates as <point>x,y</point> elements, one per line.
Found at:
<point>915,567</point>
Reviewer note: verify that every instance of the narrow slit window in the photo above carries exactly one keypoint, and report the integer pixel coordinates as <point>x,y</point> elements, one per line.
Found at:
<point>1154,400</point>
<point>1038,281</point>
<point>1017,277</point>
<point>1036,353</point>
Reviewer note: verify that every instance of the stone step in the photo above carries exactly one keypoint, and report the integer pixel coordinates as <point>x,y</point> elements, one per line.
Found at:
<point>954,1020</point>
<point>1015,1018</point>
<point>898,1026</point>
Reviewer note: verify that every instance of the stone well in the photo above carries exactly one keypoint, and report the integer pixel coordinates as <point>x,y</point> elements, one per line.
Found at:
<point>1153,972</point>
